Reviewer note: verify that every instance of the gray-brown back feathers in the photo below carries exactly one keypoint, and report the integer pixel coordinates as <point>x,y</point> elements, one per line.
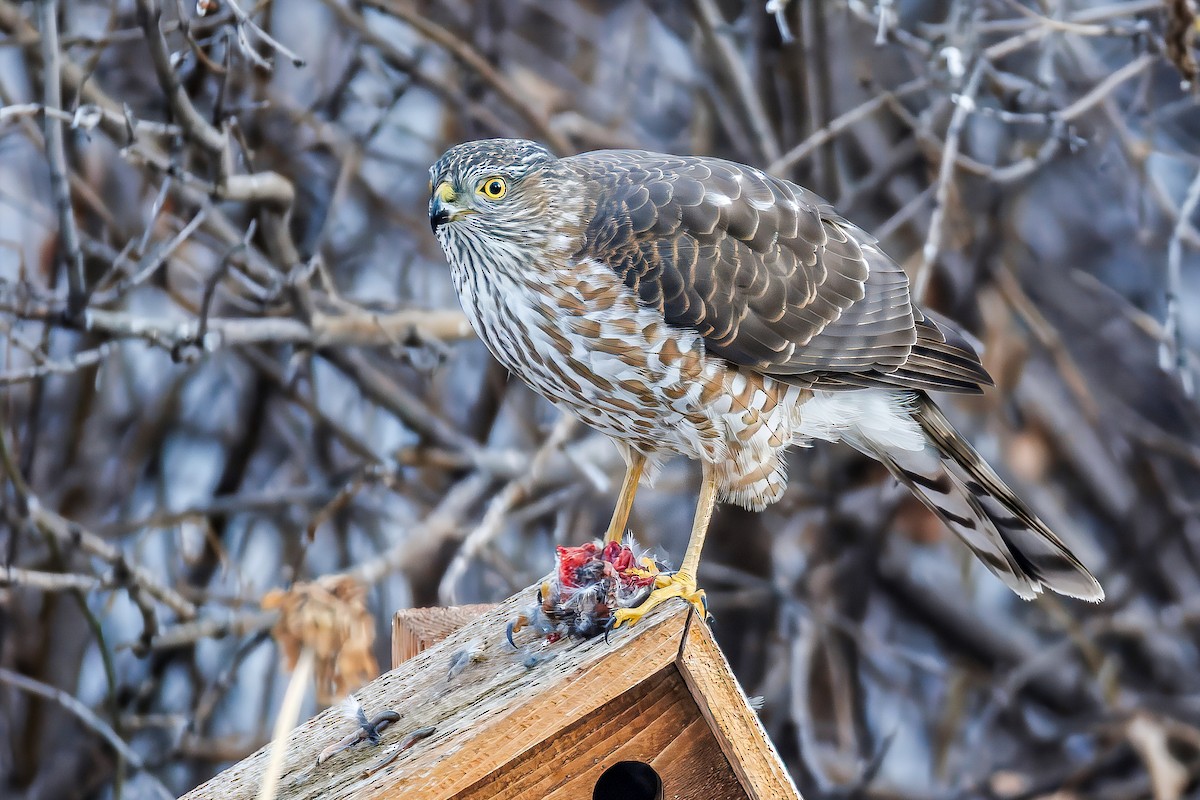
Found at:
<point>766,271</point>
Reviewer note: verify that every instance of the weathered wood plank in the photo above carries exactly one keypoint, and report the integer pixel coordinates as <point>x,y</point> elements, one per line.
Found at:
<point>737,728</point>
<point>659,692</point>
<point>487,716</point>
<point>415,630</point>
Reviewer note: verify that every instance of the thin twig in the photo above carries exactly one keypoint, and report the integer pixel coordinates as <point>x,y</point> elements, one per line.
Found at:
<point>71,534</point>
<point>888,18</point>
<point>218,274</point>
<point>841,123</point>
<point>449,90</point>
<point>493,521</point>
<point>429,535</point>
<point>81,360</point>
<point>778,9</point>
<point>194,126</point>
<point>56,154</point>
<point>89,719</point>
<point>244,20</point>
<point>398,400</point>
<point>1106,87</point>
<point>1172,353</point>
<point>963,106</point>
<point>462,51</point>
<point>717,32</point>
<point>151,263</point>
<point>1050,338</point>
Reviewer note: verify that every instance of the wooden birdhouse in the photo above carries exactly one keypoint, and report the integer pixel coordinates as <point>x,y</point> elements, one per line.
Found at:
<point>654,712</point>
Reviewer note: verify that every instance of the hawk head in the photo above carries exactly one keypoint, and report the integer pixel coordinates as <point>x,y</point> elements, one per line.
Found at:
<point>488,188</point>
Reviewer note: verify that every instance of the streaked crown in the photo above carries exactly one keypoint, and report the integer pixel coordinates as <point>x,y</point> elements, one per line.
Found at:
<point>513,158</point>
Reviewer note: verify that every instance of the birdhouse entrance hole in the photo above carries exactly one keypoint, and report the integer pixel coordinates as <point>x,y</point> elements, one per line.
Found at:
<point>629,780</point>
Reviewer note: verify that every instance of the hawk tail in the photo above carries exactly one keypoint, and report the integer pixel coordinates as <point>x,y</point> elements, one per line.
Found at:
<point>954,481</point>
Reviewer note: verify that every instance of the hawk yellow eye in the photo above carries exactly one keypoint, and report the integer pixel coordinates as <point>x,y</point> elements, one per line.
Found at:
<point>493,188</point>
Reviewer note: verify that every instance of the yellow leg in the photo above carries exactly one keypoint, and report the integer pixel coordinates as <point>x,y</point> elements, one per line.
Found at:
<point>629,487</point>
<point>681,584</point>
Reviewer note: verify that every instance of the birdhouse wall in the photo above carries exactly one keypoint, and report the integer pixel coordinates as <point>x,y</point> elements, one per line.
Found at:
<point>657,722</point>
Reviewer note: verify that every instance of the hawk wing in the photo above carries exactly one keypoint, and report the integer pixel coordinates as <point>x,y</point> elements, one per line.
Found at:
<point>766,271</point>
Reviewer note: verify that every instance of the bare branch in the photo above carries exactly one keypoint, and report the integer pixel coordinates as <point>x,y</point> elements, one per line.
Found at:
<point>86,358</point>
<point>88,718</point>
<point>362,328</point>
<point>964,104</point>
<point>48,581</point>
<point>243,20</point>
<point>1172,350</point>
<point>467,55</point>
<point>189,633</point>
<point>57,156</point>
<point>194,126</point>
<point>745,88</point>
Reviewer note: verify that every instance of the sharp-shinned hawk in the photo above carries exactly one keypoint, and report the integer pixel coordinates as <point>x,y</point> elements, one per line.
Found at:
<point>694,306</point>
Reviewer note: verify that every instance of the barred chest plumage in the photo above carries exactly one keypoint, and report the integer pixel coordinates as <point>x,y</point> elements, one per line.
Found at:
<point>579,338</point>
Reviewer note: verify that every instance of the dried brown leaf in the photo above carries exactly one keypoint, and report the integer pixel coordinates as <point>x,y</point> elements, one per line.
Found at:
<point>330,617</point>
<point>1180,37</point>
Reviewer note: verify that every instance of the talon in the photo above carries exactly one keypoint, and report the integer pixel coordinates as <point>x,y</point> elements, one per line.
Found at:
<point>508,634</point>
<point>515,626</point>
<point>680,584</point>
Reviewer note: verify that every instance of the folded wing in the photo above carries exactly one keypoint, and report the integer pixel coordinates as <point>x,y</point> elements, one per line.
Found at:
<point>766,272</point>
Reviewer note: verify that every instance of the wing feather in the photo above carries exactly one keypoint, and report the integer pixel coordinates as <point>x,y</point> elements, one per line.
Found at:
<point>766,271</point>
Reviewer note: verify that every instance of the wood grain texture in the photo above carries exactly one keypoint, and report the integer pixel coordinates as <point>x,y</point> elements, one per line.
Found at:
<point>415,630</point>
<point>490,714</point>
<point>736,727</point>
<point>657,722</point>
<point>503,730</point>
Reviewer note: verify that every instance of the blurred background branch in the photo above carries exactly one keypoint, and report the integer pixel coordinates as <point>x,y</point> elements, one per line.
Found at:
<point>232,361</point>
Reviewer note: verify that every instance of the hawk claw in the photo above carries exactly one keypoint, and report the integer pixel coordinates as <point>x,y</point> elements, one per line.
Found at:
<point>512,628</point>
<point>679,584</point>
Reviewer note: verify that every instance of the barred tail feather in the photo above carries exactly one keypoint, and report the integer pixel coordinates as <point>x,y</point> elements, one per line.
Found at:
<point>954,481</point>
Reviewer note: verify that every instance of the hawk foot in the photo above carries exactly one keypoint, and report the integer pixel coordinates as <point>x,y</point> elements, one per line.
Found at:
<point>679,584</point>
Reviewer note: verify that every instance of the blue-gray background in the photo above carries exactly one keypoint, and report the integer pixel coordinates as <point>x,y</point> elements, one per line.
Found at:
<point>889,662</point>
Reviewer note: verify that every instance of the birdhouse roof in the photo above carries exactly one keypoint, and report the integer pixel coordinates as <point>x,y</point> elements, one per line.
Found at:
<point>554,709</point>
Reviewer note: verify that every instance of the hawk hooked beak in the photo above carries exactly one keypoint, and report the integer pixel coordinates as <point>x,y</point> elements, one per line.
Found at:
<point>442,208</point>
